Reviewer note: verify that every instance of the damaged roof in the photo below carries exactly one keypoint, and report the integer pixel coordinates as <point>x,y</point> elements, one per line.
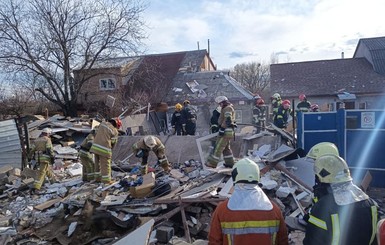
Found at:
<point>205,86</point>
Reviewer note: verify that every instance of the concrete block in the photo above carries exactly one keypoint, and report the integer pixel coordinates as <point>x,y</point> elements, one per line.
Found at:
<point>164,234</point>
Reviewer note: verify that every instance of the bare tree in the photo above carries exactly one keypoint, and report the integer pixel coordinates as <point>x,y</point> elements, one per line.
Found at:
<point>15,102</point>
<point>47,39</point>
<point>253,76</point>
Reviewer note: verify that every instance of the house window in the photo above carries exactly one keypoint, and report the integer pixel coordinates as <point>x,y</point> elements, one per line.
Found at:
<point>107,84</point>
<point>362,105</point>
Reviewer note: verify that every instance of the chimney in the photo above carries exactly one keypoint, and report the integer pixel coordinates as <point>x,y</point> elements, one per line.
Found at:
<point>342,55</point>
<point>208,46</point>
<point>198,44</point>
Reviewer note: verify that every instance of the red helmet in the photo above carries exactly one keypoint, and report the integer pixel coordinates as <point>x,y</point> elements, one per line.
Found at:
<point>286,104</point>
<point>260,101</point>
<point>118,123</point>
<point>302,97</point>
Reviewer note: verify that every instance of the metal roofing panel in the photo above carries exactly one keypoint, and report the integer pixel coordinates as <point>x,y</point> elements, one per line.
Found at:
<point>10,147</point>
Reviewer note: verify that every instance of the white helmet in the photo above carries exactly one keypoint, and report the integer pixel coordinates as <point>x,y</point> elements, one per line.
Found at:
<point>245,171</point>
<point>220,99</point>
<point>47,131</point>
<point>150,141</point>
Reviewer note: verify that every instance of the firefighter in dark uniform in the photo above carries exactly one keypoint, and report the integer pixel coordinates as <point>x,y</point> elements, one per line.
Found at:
<point>86,157</point>
<point>226,132</point>
<point>105,140</point>
<point>282,116</point>
<point>343,213</point>
<point>189,119</point>
<point>304,105</point>
<point>259,114</point>
<point>42,152</point>
<point>177,120</point>
<point>214,127</point>
<point>142,150</point>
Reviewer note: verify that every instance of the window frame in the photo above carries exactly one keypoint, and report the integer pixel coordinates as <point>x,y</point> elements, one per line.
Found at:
<point>108,86</point>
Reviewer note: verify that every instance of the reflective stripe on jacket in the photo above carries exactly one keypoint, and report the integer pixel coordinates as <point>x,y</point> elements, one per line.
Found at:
<point>42,149</point>
<point>330,223</point>
<point>247,226</point>
<point>105,139</point>
<point>227,114</point>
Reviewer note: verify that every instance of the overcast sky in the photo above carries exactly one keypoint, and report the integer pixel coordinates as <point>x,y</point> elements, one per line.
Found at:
<point>251,30</point>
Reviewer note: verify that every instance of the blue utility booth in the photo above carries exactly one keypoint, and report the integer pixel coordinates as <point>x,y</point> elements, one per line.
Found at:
<point>358,134</point>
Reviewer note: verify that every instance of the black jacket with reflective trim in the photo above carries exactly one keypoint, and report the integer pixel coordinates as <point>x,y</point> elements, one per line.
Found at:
<point>356,225</point>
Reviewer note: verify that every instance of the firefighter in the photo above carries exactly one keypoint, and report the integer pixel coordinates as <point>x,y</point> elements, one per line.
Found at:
<point>42,152</point>
<point>276,101</point>
<point>227,126</point>
<point>259,114</point>
<point>282,115</point>
<point>86,157</point>
<point>343,214</point>
<point>248,216</point>
<point>214,120</point>
<point>105,139</point>
<point>142,150</point>
<point>177,120</point>
<point>304,105</point>
<point>189,118</point>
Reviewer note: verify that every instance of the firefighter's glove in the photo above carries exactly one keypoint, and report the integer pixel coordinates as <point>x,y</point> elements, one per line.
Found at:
<point>221,131</point>
<point>139,154</point>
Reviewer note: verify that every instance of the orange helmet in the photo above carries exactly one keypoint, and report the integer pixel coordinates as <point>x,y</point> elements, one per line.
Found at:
<point>286,104</point>
<point>260,101</point>
<point>302,97</point>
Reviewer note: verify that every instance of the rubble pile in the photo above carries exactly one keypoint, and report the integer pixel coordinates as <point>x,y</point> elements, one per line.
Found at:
<point>161,207</point>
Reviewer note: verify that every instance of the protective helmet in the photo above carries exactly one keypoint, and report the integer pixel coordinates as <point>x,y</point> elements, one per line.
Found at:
<point>260,101</point>
<point>276,96</point>
<point>245,171</point>
<point>302,97</point>
<point>186,102</point>
<point>178,106</point>
<point>118,122</point>
<point>220,99</point>
<point>321,149</point>
<point>314,107</point>
<point>47,131</point>
<point>286,104</point>
<point>331,169</point>
<point>150,141</point>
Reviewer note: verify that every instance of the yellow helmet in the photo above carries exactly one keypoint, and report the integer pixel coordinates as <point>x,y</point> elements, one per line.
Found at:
<point>178,106</point>
<point>150,141</point>
<point>321,149</point>
<point>330,168</point>
<point>245,171</point>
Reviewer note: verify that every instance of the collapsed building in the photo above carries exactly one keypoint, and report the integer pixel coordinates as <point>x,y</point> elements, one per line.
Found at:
<point>156,208</point>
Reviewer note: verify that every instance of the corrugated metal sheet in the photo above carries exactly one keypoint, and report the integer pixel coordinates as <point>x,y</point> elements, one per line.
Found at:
<point>10,147</point>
